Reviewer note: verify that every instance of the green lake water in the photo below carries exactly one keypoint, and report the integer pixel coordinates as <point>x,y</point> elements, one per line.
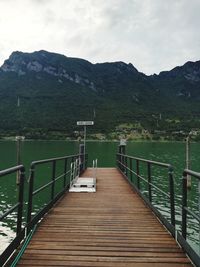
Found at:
<point>169,152</point>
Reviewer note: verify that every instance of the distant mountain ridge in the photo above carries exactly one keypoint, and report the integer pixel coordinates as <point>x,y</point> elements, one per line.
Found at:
<point>56,90</point>
<point>190,71</point>
<point>72,69</point>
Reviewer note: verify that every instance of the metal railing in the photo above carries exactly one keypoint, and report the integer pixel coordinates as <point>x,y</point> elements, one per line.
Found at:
<point>182,236</point>
<point>125,165</point>
<point>20,230</point>
<point>24,227</point>
<point>33,219</point>
<point>127,168</point>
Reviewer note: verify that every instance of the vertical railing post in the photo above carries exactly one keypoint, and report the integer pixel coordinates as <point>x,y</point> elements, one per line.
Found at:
<point>149,181</point>
<point>188,160</point>
<point>126,165</point>
<point>171,187</point>
<point>82,157</point>
<point>131,169</point>
<point>65,173</point>
<point>138,173</point>
<point>53,179</point>
<point>30,196</point>
<point>120,158</point>
<point>19,143</point>
<point>122,151</point>
<point>20,200</point>
<point>86,161</point>
<point>184,205</point>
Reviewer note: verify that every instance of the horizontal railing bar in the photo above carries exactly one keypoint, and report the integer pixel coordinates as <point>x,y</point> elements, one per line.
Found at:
<point>41,188</point>
<point>193,214</point>
<point>193,173</point>
<point>9,211</point>
<point>11,170</point>
<point>48,184</point>
<point>141,177</point>
<point>147,161</point>
<point>61,175</point>
<point>160,190</point>
<point>53,159</point>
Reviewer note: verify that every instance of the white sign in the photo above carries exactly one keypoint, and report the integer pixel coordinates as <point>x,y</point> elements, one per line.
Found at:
<point>85,123</point>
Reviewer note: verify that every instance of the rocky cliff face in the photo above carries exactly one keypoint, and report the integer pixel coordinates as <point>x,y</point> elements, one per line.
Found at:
<point>85,73</point>
<point>41,62</point>
<point>74,70</point>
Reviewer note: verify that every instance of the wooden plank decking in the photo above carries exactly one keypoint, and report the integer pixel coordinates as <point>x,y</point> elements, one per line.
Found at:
<point>111,227</point>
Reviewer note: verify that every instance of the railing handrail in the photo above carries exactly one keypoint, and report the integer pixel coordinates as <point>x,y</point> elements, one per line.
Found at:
<point>165,165</point>
<point>12,170</point>
<point>37,162</point>
<point>192,173</point>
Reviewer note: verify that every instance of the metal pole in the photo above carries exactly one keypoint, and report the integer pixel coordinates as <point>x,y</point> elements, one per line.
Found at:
<point>184,205</point>
<point>188,162</point>
<point>81,152</point>
<point>149,181</point>
<point>138,173</point>
<point>123,159</point>
<point>131,169</point>
<point>171,189</point>
<point>20,200</point>
<point>53,179</point>
<point>30,198</point>
<point>65,173</point>
<point>84,143</point>
<point>18,139</point>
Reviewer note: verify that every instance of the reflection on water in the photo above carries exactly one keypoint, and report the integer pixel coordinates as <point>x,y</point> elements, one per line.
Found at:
<point>6,236</point>
<point>172,153</point>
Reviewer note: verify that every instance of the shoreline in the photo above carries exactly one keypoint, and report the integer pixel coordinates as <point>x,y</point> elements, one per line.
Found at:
<point>97,141</point>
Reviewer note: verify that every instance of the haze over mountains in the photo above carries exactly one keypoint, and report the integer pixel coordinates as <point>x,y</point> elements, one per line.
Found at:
<point>49,91</point>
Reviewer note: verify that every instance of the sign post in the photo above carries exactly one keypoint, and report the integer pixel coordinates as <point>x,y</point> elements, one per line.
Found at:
<point>188,160</point>
<point>85,124</point>
<point>18,139</point>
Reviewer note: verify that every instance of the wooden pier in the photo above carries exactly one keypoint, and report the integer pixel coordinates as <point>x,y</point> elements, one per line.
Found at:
<point>112,227</point>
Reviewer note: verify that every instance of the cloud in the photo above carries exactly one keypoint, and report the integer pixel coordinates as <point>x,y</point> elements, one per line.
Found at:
<point>154,35</point>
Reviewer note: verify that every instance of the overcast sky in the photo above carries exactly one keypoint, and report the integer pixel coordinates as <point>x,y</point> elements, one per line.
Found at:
<point>153,35</point>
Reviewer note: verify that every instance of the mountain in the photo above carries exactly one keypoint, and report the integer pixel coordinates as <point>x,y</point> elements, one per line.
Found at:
<point>190,71</point>
<point>43,91</point>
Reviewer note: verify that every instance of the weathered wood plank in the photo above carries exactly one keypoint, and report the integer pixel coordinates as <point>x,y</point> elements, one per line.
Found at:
<point>111,227</point>
<point>111,258</point>
<point>42,263</point>
<point>103,247</point>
